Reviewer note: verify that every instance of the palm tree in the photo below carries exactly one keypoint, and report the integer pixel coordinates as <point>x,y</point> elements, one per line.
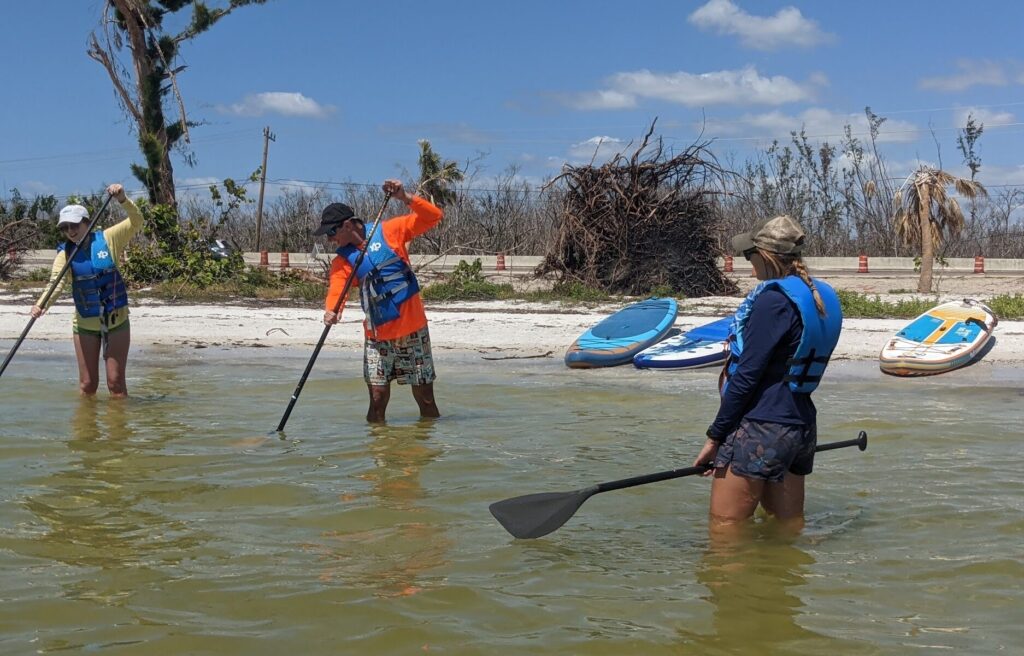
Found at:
<point>926,215</point>
<point>436,176</point>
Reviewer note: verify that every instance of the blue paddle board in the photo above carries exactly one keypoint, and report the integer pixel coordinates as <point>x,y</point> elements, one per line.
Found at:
<point>704,346</point>
<point>618,338</point>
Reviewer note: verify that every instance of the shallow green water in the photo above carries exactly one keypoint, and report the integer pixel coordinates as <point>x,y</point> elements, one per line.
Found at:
<point>173,523</point>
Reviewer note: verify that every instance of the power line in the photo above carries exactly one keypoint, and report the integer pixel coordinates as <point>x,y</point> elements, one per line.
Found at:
<point>122,151</point>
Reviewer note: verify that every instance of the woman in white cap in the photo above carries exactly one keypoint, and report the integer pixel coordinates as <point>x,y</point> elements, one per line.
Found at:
<point>761,443</point>
<point>100,324</point>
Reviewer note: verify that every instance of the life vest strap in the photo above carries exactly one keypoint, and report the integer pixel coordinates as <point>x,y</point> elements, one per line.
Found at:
<point>391,293</point>
<point>400,275</point>
<point>388,262</point>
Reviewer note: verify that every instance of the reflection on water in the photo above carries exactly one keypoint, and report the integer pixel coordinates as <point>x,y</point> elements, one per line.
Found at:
<point>100,511</point>
<point>392,552</point>
<point>754,588</point>
<point>103,514</point>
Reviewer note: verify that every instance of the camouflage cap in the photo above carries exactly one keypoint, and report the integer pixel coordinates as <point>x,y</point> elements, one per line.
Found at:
<point>779,235</point>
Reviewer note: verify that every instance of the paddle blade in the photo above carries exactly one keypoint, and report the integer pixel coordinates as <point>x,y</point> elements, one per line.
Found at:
<point>536,515</point>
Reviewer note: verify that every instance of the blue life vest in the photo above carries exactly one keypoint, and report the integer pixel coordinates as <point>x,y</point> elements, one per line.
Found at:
<point>96,284</point>
<point>817,341</point>
<point>385,279</point>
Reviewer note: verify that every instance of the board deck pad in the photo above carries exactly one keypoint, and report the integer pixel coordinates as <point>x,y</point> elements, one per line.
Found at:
<point>617,338</point>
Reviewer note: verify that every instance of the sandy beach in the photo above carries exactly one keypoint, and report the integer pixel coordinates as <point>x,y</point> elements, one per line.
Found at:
<point>498,329</point>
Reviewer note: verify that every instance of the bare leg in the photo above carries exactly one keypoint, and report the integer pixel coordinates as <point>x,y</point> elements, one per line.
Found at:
<point>785,502</point>
<point>87,352</point>
<point>379,397</point>
<point>424,396</point>
<point>117,362</point>
<point>733,501</point>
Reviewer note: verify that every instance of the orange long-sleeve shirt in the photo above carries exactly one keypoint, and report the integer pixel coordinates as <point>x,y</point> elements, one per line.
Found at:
<point>397,232</point>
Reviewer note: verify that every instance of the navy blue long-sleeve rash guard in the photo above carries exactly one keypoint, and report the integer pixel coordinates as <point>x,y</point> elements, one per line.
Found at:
<point>756,390</point>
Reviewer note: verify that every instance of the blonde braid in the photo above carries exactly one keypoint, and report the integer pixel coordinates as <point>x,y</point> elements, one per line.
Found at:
<point>801,270</point>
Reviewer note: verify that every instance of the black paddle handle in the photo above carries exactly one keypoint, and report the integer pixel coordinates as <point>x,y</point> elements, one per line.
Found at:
<point>860,442</point>
<point>337,308</point>
<point>67,264</point>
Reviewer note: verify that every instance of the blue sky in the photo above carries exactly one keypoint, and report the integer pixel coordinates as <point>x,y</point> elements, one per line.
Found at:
<point>349,87</point>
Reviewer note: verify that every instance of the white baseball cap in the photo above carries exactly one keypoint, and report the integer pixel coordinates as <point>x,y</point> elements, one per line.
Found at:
<point>73,214</point>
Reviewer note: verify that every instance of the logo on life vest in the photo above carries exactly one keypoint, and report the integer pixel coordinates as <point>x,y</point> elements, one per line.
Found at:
<point>375,246</point>
<point>102,254</point>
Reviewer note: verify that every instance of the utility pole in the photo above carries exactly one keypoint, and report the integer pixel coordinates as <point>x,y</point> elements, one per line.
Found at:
<point>268,136</point>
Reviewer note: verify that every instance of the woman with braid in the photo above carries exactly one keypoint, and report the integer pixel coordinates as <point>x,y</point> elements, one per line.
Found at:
<point>761,444</point>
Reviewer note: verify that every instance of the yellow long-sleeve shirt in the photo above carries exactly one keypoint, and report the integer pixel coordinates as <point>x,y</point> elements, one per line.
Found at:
<point>117,237</point>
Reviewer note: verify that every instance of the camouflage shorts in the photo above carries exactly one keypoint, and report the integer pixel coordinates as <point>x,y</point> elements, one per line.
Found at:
<point>407,359</point>
<point>767,451</point>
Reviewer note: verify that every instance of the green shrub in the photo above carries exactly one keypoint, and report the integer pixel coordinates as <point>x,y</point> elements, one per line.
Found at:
<point>40,274</point>
<point>467,283</point>
<point>860,305</point>
<point>314,292</point>
<point>261,277</point>
<point>1007,307</point>
<point>177,251</point>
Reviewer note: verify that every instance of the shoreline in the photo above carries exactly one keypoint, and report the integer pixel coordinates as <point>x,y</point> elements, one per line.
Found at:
<point>502,329</point>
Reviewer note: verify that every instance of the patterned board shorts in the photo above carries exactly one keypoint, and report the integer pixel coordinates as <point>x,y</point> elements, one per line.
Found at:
<point>408,360</point>
<point>767,451</point>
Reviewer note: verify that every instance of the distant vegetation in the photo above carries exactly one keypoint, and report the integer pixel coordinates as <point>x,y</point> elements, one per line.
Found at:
<point>846,210</point>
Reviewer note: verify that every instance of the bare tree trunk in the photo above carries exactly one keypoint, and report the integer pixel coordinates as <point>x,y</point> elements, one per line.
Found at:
<point>924,284</point>
<point>150,117</point>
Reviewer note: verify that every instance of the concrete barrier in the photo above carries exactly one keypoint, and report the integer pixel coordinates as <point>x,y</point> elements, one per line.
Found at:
<point>523,264</point>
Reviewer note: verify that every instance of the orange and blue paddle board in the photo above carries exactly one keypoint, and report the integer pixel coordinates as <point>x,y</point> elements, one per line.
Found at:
<point>944,338</point>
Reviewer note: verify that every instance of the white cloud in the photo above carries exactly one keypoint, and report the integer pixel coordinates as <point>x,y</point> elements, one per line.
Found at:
<point>816,122</point>
<point>286,103</point>
<point>604,99</point>
<point>294,185</point>
<point>744,86</point>
<point>983,116</point>
<point>788,27</point>
<point>970,73</point>
<point>597,149</point>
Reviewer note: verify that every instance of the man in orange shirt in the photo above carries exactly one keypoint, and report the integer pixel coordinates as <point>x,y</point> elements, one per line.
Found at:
<point>397,345</point>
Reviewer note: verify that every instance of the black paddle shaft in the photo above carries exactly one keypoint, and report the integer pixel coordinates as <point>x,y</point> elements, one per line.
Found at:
<point>337,308</point>
<point>536,515</point>
<point>861,441</point>
<point>67,264</point>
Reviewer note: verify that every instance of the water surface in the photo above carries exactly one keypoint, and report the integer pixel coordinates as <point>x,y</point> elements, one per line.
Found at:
<point>175,522</point>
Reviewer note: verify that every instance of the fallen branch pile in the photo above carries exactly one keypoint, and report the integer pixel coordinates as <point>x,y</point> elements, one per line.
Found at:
<point>641,222</point>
